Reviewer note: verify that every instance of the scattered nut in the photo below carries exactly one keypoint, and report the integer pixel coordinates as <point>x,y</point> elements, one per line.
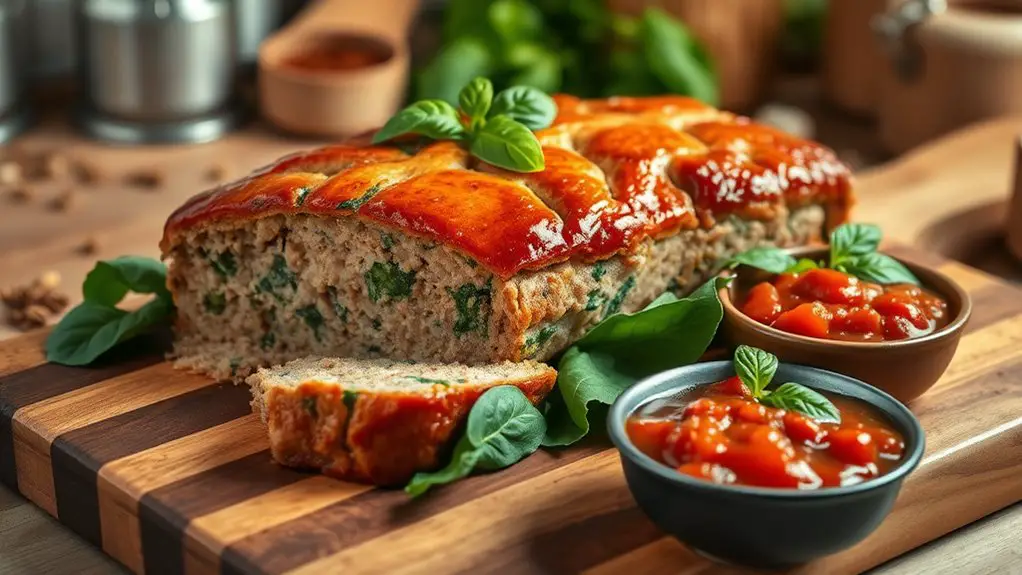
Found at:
<point>63,201</point>
<point>31,306</point>
<point>147,179</point>
<point>88,247</point>
<point>216,173</point>
<point>10,173</point>
<point>86,173</point>
<point>19,195</point>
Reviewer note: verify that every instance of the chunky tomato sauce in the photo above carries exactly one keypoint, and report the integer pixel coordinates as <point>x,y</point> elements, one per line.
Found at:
<point>720,434</point>
<point>829,304</point>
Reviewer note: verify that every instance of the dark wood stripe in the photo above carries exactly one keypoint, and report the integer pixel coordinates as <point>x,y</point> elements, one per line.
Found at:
<point>164,513</point>
<point>373,513</point>
<point>49,380</point>
<point>78,455</point>
<point>576,547</point>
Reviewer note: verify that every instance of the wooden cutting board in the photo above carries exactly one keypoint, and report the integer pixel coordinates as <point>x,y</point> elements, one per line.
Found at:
<point>169,472</point>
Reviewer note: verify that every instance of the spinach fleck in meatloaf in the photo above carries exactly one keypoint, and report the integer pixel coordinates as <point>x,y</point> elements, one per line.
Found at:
<point>429,254</point>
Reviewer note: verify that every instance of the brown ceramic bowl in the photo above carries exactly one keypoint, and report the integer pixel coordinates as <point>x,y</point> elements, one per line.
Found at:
<point>905,368</point>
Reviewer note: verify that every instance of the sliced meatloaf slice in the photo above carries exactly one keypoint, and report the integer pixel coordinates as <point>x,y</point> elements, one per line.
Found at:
<point>431,255</point>
<point>377,421</point>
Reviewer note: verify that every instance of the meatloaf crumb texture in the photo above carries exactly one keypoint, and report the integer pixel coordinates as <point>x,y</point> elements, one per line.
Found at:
<point>367,251</point>
<point>290,286</point>
<point>377,421</point>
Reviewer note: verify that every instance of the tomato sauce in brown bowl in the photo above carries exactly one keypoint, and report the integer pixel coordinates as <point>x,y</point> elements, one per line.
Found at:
<point>898,337</point>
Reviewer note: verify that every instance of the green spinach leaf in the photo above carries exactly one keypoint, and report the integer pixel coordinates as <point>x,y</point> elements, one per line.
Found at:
<point>624,348</point>
<point>92,328</point>
<point>110,281</point>
<point>96,325</point>
<point>503,427</point>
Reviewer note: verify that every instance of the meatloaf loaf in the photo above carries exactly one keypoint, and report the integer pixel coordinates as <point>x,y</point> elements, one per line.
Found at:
<point>422,252</point>
<point>377,420</point>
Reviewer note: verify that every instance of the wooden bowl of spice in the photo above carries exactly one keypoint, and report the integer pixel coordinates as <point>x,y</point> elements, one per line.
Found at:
<point>340,69</point>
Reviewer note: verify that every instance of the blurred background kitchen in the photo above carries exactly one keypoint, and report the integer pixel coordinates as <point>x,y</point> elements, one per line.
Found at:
<point>114,111</point>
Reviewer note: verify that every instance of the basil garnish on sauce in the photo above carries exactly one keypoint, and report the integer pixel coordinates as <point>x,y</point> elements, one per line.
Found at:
<point>495,129</point>
<point>853,250</point>
<point>503,427</point>
<point>97,324</point>
<point>756,369</point>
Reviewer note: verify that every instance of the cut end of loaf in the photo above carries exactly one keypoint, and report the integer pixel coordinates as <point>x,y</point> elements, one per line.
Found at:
<point>377,421</point>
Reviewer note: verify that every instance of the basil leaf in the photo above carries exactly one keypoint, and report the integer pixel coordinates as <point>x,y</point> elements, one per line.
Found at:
<point>625,348</point>
<point>475,99</point>
<point>801,399</point>
<point>453,67</point>
<point>92,328</point>
<point>802,265</point>
<point>431,118</point>
<point>755,368</point>
<point>507,144</point>
<point>773,260</point>
<point>110,281</point>
<point>526,105</point>
<point>675,58</point>
<point>503,427</point>
<point>849,240</point>
<point>878,268</point>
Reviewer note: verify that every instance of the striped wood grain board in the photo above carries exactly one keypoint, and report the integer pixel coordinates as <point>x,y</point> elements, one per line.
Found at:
<point>169,472</point>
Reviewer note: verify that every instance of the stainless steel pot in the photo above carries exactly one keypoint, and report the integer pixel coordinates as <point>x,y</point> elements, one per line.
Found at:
<point>258,19</point>
<point>53,42</point>
<point>13,111</point>
<point>157,70</point>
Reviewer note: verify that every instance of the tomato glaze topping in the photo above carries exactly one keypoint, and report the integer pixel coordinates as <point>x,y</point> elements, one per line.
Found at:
<point>718,433</point>
<point>829,304</point>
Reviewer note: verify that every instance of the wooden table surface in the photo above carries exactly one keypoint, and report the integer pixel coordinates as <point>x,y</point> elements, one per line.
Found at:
<point>126,220</point>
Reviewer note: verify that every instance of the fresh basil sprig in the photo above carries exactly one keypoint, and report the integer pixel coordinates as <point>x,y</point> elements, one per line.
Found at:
<point>496,129</point>
<point>624,348</point>
<point>96,325</point>
<point>853,250</point>
<point>503,427</point>
<point>756,369</point>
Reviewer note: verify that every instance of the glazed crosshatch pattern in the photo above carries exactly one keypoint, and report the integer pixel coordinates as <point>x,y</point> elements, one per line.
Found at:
<point>618,171</point>
<point>170,473</point>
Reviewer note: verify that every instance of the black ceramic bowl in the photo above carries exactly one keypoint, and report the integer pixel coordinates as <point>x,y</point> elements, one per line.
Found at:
<point>755,526</point>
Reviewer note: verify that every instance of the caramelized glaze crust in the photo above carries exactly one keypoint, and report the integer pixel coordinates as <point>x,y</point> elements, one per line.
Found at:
<point>618,171</point>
